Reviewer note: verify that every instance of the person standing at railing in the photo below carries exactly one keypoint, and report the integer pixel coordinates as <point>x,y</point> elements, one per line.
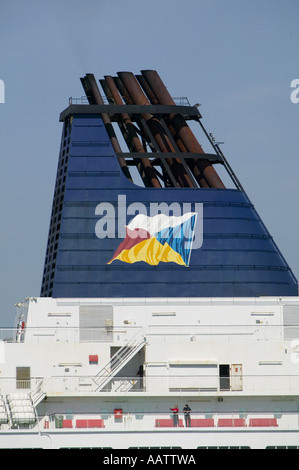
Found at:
<point>175,415</point>
<point>187,410</point>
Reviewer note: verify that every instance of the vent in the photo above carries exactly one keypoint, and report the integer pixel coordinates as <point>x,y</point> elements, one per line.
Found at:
<point>291,321</point>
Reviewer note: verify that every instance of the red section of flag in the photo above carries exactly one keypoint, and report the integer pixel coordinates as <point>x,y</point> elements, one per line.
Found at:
<point>133,237</point>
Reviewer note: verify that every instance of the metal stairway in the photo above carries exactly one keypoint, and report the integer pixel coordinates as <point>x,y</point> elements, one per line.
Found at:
<point>118,361</point>
<point>37,395</point>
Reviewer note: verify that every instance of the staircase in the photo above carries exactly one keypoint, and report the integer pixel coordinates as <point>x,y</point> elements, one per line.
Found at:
<point>37,394</point>
<point>118,361</point>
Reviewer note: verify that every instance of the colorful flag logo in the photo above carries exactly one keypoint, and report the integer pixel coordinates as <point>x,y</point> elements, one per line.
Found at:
<point>159,238</point>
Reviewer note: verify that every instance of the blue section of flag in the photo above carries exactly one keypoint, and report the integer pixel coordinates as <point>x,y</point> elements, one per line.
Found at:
<point>179,238</point>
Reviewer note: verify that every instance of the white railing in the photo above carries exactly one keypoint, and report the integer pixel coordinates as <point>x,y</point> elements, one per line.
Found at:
<point>200,385</point>
<point>74,334</point>
<point>158,333</point>
<point>12,385</point>
<point>167,333</point>
<point>138,420</point>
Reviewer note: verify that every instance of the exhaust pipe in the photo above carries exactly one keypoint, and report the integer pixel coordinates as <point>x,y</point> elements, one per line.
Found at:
<point>181,128</point>
<point>191,163</point>
<point>132,135</point>
<point>94,97</point>
<point>132,86</point>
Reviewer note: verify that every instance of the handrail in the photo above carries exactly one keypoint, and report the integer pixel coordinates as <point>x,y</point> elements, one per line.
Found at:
<point>231,332</point>
<point>119,358</point>
<point>145,420</point>
<point>180,100</point>
<point>252,384</point>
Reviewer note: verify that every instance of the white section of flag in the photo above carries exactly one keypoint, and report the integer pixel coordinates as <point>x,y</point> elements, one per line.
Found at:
<point>158,222</point>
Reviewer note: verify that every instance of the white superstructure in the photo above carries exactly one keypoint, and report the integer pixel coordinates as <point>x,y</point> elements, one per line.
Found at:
<point>105,372</point>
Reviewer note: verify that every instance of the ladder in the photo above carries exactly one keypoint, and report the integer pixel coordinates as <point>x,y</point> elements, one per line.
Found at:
<point>118,361</point>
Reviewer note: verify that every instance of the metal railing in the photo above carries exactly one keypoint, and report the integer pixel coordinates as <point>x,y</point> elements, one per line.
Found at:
<point>159,333</point>
<point>143,420</point>
<point>179,101</point>
<point>200,385</point>
<point>119,359</point>
<point>70,334</point>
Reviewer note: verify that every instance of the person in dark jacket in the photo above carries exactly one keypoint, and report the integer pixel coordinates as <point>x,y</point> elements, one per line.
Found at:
<point>187,411</point>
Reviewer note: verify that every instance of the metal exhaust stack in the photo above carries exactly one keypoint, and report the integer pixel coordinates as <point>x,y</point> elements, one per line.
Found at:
<point>181,128</point>
<point>162,139</point>
<point>145,135</point>
<point>94,97</point>
<point>161,146</point>
<point>192,163</point>
<point>125,134</point>
<point>131,135</point>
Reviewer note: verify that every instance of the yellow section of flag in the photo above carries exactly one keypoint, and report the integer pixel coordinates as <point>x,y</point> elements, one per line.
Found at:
<point>152,252</point>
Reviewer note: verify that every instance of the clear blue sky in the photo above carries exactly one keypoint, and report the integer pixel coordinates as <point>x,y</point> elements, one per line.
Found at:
<point>235,57</point>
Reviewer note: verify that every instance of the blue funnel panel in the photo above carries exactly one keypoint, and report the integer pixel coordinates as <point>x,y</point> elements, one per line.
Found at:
<point>107,239</point>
